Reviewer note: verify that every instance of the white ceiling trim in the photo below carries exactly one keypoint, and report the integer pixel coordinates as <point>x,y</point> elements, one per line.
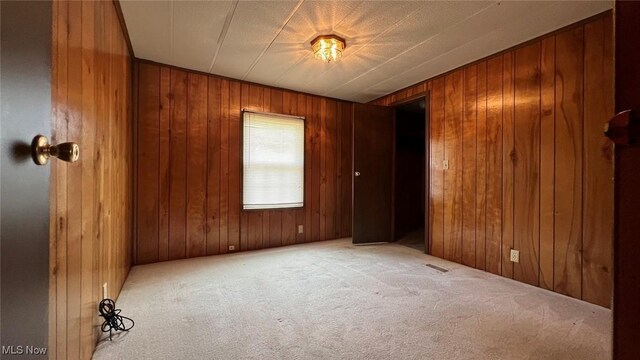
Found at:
<point>284,24</point>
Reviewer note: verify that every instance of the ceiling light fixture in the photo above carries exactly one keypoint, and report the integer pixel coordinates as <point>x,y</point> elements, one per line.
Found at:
<point>328,48</point>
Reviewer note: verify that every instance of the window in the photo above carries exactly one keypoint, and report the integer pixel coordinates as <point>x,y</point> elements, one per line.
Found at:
<point>273,161</point>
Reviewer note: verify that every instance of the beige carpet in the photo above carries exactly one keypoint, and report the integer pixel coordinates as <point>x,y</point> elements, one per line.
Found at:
<point>331,300</point>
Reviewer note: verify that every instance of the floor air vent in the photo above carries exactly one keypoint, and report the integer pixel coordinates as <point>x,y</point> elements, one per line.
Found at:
<point>437,268</point>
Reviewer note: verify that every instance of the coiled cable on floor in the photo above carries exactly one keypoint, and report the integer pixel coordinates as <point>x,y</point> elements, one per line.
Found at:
<point>112,318</point>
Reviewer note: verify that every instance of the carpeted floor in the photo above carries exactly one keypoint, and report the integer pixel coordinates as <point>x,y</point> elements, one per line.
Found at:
<point>332,300</point>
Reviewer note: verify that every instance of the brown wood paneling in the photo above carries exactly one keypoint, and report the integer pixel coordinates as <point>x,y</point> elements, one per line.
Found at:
<point>568,161</point>
<point>330,175</point>
<point>508,160</point>
<point>539,158</point>
<point>224,165</point>
<point>547,160</point>
<point>437,142</point>
<point>196,164</point>
<point>481,166</point>
<point>91,200</point>
<point>526,159</point>
<point>164,171</point>
<point>453,176</point>
<point>178,166</point>
<point>598,164</point>
<point>469,166</point>
<point>147,196</point>
<point>234,166</point>
<point>197,127</point>
<point>213,168</point>
<point>493,252</point>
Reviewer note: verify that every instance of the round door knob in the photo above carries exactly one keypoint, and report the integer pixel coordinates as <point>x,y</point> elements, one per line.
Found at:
<point>357,173</point>
<point>41,151</point>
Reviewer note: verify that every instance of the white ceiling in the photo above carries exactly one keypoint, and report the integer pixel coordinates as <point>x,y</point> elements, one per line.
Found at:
<point>390,44</point>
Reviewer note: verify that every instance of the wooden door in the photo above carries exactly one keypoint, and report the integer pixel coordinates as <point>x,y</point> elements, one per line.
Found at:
<point>373,171</point>
<point>626,249</point>
<point>25,99</point>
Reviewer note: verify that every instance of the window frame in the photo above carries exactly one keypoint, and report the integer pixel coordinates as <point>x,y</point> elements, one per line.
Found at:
<point>304,161</point>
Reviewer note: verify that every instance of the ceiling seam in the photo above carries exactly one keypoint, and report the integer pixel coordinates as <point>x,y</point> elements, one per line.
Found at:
<point>223,33</point>
<point>284,24</point>
<point>409,49</point>
<point>171,34</point>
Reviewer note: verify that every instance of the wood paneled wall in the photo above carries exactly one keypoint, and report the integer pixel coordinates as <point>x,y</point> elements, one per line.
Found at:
<point>189,164</point>
<point>529,167</point>
<point>91,199</point>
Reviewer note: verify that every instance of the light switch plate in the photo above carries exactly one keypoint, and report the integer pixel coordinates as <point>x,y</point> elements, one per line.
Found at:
<point>515,256</point>
<point>300,229</point>
<point>445,164</point>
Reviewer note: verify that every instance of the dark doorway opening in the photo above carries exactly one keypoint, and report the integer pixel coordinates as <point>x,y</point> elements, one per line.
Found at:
<point>409,174</point>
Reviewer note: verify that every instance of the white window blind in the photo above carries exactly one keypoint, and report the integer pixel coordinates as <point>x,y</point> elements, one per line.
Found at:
<point>273,161</point>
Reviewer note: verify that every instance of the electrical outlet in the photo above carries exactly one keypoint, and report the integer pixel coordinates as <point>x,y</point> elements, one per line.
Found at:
<point>515,256</point>
<point>232,248</point>
<point>300,229</point>
<point>105,293</point>
<point>445,164</point>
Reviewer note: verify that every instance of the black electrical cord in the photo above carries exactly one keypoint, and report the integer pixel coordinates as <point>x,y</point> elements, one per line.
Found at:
<point>112,318</point>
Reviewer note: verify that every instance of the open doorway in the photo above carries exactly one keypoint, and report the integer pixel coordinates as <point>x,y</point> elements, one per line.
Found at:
<point>409,174</point>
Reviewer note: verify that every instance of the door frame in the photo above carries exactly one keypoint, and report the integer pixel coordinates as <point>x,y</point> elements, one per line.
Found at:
<point>426,96</point>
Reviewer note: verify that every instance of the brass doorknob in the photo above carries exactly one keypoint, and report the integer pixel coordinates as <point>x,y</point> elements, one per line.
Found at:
<point>41,150</point>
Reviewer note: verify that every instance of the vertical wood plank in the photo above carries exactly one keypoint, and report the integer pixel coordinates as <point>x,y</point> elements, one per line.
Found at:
<point>493,251</point>
<point>527,163</point>
<point>331,176</point>
<point>481,166</point>
<point>224,165</point>
<point>178,165</point>
<point>547,160</point>
<point>196,164</point>
<point>164,170</point>
<point>316,167</point>
<point>437,143</point>
<point>469,166</point>
<point>308,168</point>
<point>508,160</point>
<point>597,193</point>
<point>568,189</point>
<point>214,169</point>
<point>234,166</point>
<point>87,142</point>
<point>74,173</point>
<point>323,168</point>
<point>453,176</point>
<point>148,163</point>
